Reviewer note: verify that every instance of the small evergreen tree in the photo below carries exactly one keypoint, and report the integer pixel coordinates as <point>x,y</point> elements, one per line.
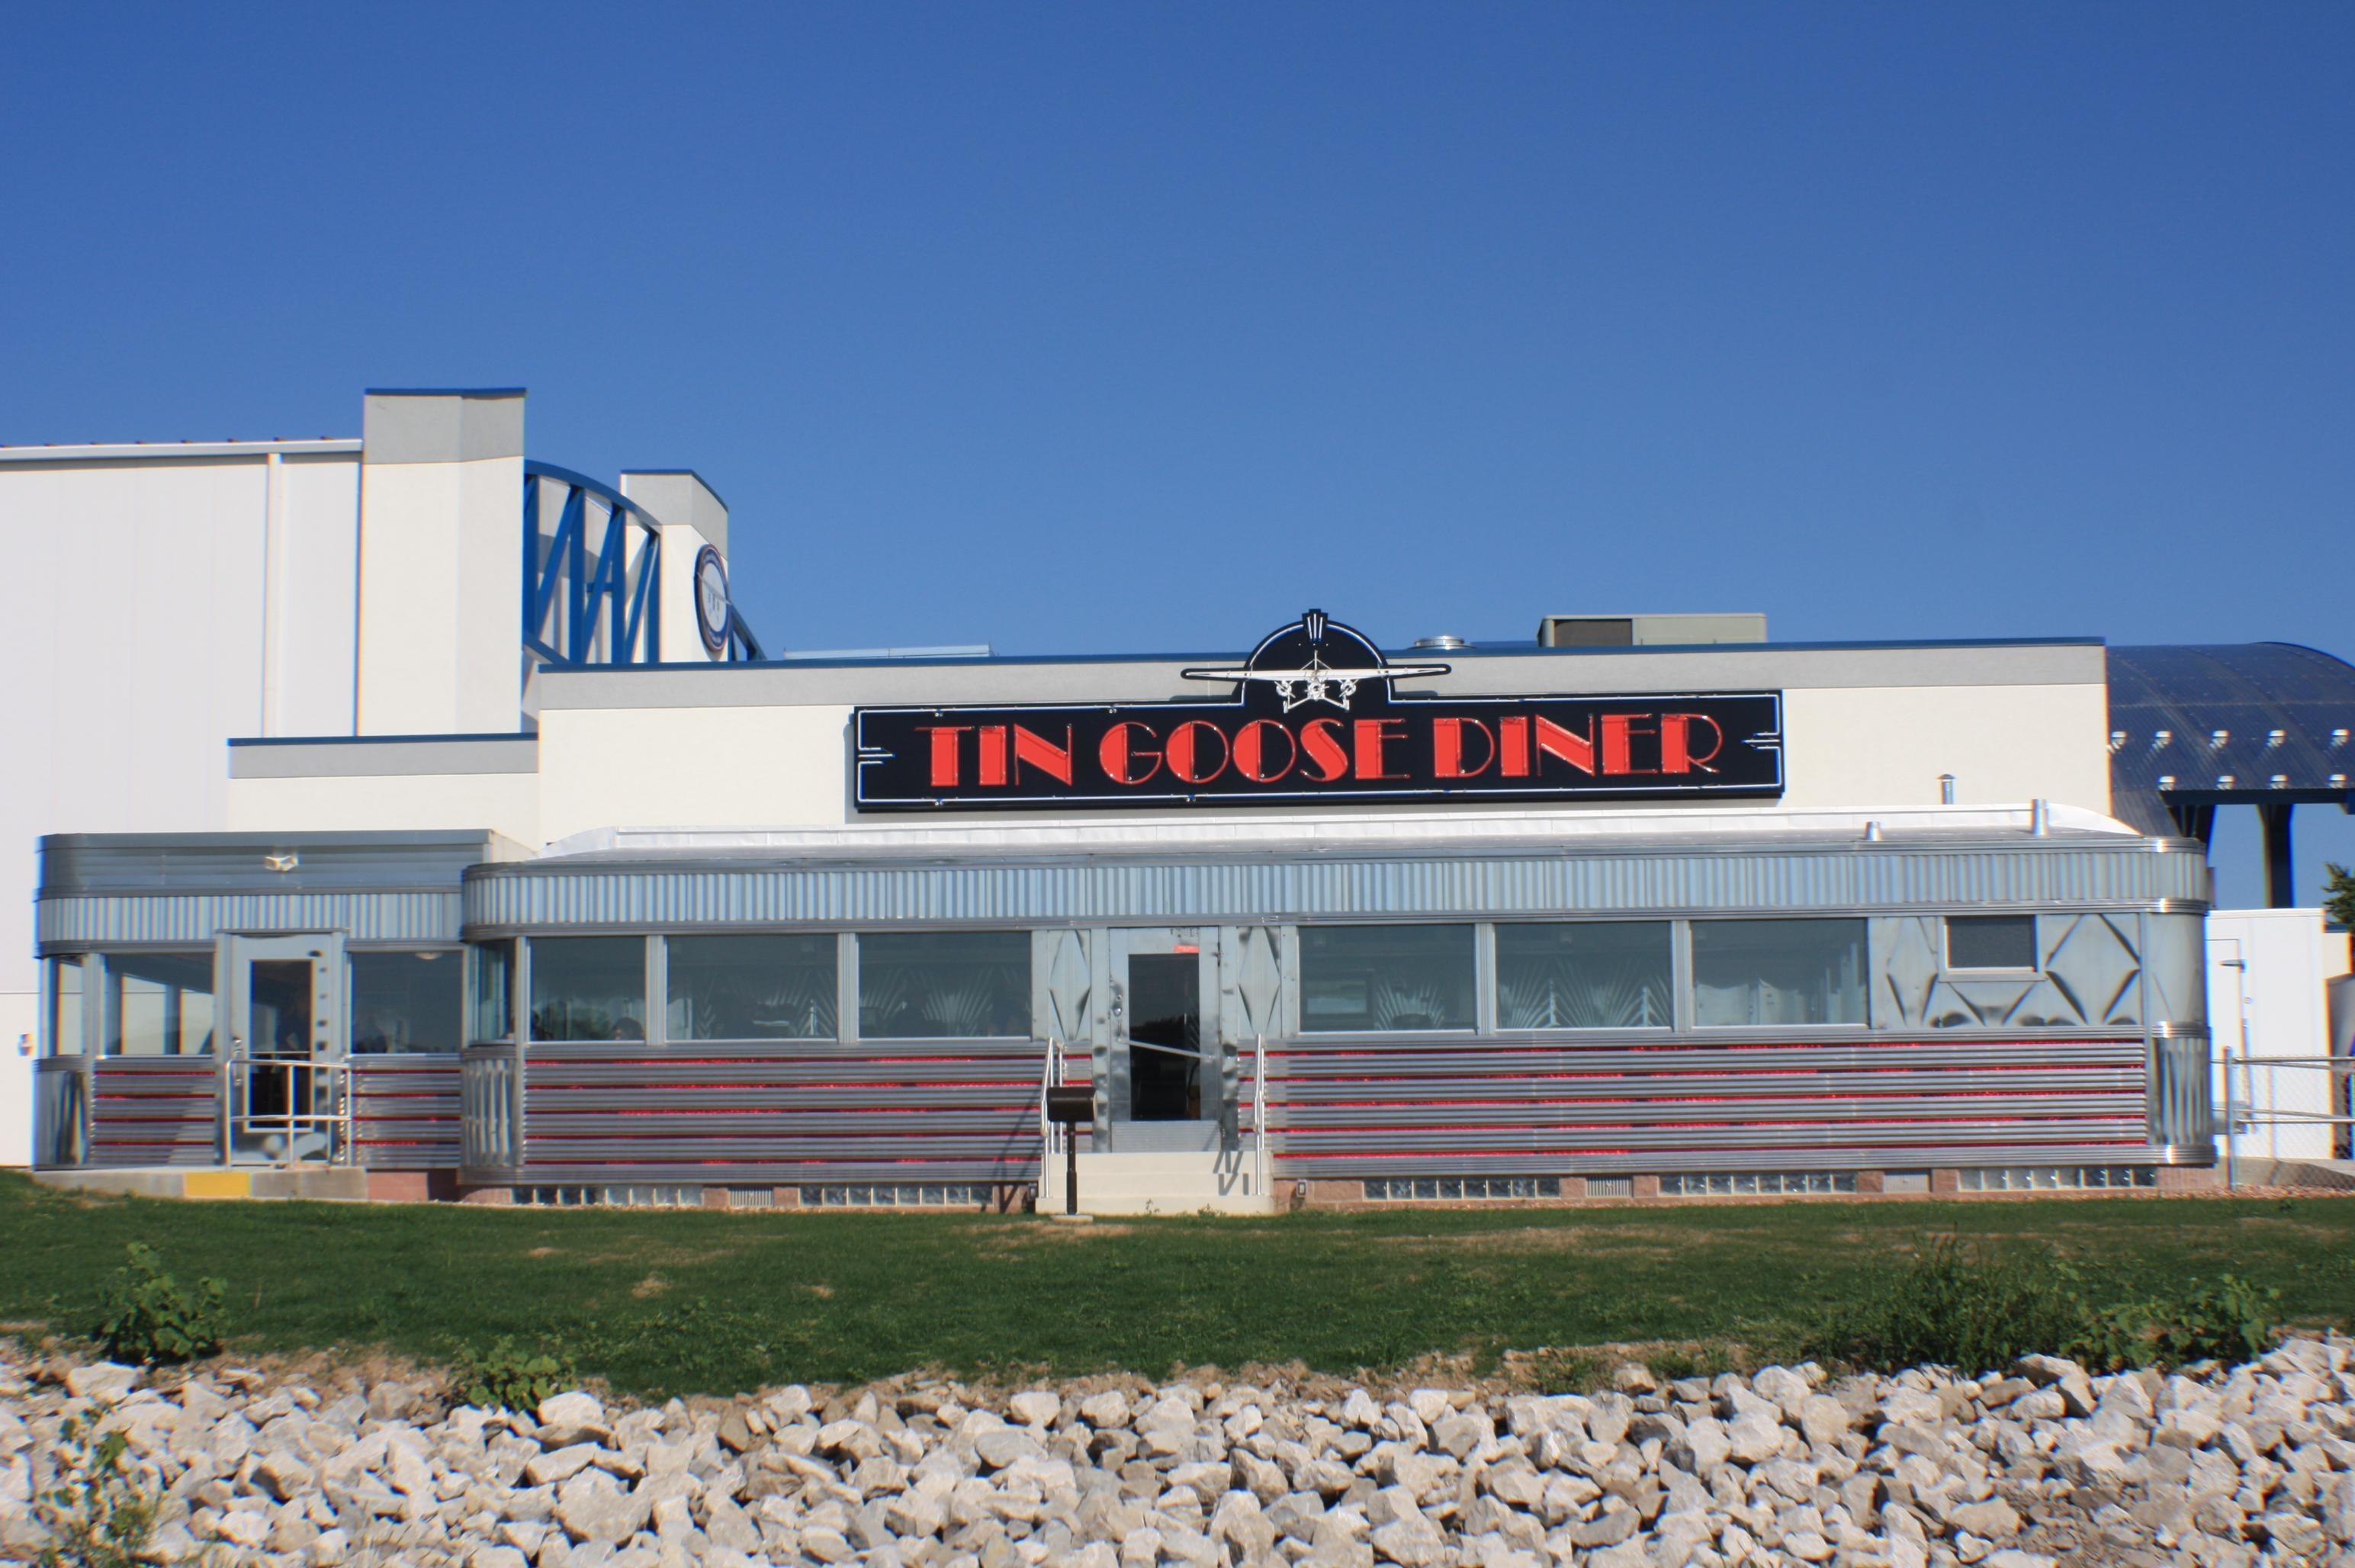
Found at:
<point>2339,893</point>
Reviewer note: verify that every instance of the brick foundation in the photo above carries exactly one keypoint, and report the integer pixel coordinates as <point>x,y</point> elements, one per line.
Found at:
<point>412,1186</point>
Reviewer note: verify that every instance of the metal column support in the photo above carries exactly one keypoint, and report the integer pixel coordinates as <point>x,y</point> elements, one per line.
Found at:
<point>2281,875</point>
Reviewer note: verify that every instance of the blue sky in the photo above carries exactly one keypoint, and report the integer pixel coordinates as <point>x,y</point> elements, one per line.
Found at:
<point>1142,327</point>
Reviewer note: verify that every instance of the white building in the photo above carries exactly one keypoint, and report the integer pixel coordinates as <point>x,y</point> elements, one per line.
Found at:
<point>1643,904</point>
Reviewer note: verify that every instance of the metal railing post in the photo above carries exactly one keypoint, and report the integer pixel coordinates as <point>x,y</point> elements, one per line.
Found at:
<point>2231,1168</point>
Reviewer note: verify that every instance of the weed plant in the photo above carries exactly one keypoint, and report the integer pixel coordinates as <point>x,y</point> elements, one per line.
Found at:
<point>97,1514</point>
<point>504,1376</point>
<point>1958,1306</point>
<point>146,1317</point>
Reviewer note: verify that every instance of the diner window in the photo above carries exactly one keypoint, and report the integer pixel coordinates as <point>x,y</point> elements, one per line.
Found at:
<point>65,1007</point>
<point>406,1002</point>
<point>588,987</point>
<point>159,1004</point>
<point>945,984</point>
<point>1991,941</point>
<point>1583,974</point>
<point>1386,978</point>
<point>490,1015</point>
<point>1752,972</point>
<point>752,987</point>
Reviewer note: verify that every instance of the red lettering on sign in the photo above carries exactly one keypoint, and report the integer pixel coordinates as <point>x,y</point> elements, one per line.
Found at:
<point>1676,753</point>
<point>1556,741</point>
<point>1251,751</point>
<point>1119,755</point>
<point>1321,740</point>
<point>944,751</point>
<point>1036,750</point>
<point>1513,747</point>
<point>1185,751</point>
<point>993,755</point>
<point>1372,735</point>
<point>1447,748</point>
<point>1620,733</point>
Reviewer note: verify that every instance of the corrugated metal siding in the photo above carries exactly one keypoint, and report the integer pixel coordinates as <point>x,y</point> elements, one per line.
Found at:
<point>2131,875</point>
<point>196,919</point>
<point>405,1112</point>
<point>155,1111</point>
<point>782,1112</point>
<point>1371,1107</point>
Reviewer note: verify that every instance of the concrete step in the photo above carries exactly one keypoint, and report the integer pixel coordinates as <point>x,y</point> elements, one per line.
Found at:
<point>330,1184</point>
<point>1212,1181</point>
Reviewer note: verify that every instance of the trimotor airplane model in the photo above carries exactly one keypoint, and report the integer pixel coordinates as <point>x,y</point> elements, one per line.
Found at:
<point>1315,681</point>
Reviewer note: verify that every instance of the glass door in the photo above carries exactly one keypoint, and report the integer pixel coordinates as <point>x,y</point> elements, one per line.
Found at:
<point>1163,1012</point>
<point>286,1046</point>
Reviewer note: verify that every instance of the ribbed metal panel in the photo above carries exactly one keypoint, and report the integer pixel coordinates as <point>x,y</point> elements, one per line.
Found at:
<point>781,1113</point>
<point>1349,1109</point>
<point>405,1112</point>
<point>155,1111</point>
<point>59,1097</point>
<point>196,919</point>
<point>2029,875</point>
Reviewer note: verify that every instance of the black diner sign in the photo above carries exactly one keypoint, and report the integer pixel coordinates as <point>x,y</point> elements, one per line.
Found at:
<point>1313,717</point>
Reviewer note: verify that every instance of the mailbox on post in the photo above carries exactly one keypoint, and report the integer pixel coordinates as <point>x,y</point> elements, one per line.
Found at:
<point>1070,1107</point>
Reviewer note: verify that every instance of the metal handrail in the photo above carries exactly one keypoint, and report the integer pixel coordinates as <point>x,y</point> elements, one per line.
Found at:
<point>333,1123</point>
<point>1259,1115</point>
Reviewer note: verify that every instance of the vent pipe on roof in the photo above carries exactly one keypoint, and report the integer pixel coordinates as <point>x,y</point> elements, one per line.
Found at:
<point>1945,789</point>
<point>2040,818</point>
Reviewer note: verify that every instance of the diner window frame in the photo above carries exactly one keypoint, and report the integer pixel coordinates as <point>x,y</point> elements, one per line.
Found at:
<point>1688,990</point>
<point>1679,976</point>
<point>463,952</point>
<point>850,1000</point>
<point>1946,965</point>
<point>1484,977</point>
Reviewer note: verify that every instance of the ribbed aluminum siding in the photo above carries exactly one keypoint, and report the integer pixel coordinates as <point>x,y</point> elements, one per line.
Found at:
<point>508,897</point>
<point>196,919</point>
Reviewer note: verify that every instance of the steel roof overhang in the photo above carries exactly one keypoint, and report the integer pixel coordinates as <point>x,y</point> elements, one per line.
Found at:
<point>2244,723</point>
<point>688,884</point>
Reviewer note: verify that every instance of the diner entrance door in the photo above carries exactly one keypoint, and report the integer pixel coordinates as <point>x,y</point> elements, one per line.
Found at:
<point>1165,1054</point>
<point>284,1065</point>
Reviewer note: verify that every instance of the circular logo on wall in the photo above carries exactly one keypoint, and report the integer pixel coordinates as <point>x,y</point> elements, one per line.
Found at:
<point>711,608</point>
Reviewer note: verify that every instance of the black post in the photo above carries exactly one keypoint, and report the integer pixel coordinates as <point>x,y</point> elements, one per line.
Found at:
<point>1069,1107</point>
<point>2281,874</point>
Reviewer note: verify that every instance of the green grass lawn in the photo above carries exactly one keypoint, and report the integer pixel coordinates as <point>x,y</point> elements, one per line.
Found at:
<point>663,1302</point>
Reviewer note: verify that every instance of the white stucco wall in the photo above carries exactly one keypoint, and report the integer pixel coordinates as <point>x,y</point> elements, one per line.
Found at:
<point>788,766</point>
<point>504,803</point>
<point>134,627</point>
<point>1886,745</point>
<point>697,767</point>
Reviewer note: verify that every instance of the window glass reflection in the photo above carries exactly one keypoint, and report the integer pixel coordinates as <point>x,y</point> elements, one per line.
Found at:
<point>64,1037</point>
<point>490,1017</point>
<point>406,1002</point>
<point>159,1004</point>
<point>1748,972</point>
<point>1385,978</point>
<point>945,984</point>
<point>1583,974</point>
<point>588,987</point>
<point>751,987</point>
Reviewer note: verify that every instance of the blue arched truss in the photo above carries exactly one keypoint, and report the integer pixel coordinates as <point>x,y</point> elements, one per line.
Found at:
<point>592,584</point>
